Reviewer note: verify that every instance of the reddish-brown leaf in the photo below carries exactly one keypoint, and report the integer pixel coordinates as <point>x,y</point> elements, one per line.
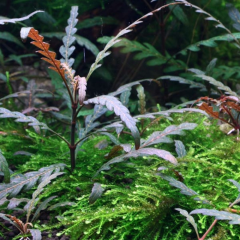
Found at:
<point>209,110</point>
<point>49,56</point>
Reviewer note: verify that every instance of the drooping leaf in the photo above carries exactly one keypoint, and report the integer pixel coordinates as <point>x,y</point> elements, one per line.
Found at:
<point>4,168</point>
<point>5,113</point>
<point>66,49</point>
<point>113,104</point>
<point>189,219</point>
<point>139,153</point>
<point>180,148</point>
<point>184,81</point>
<point>158,137</point>
<point>218,84</point>
<point>14,20</point>
<point>17,94</point>
<point>219,215</point>
<point>27,181</point>
<point>96,193</point>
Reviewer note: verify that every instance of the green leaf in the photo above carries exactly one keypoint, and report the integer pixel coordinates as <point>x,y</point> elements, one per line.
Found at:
<point>97,21</point>
<point>97,192</point>
<point>180,15</point>
<point>9,37</point>
<point>210,67</point>
<point>210,42</point>
<point>4,168</point>
<point>180,148</point>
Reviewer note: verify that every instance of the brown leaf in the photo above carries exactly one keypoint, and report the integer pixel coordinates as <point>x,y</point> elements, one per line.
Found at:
<point>209,110</point>
<point>49,56</point>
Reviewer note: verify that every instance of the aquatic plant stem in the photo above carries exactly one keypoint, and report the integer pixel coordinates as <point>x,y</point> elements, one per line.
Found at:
<point>72,145</point>
<point>209,229</point>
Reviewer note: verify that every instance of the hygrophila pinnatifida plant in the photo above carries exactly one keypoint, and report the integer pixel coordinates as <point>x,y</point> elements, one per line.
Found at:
<point>76,85</point>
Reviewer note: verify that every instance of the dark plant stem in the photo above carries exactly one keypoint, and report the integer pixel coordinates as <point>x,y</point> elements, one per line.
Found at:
<point>209,229</point>
<point>72,145</point>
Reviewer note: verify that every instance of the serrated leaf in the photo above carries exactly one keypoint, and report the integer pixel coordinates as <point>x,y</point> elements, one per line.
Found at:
<point>139,153</point>
<point>4,168</point>
<point>180,148</point>
<point>46,179</point>
<point>5,113</point>
<point>218,84</point>
<point>210,42</point>
<point>158,137</point>
<point>189,219</point>
<point>36,234</point>
<point>14,202</point>
<point>113,104</point>
<point>66,50</point>
<point>26,181</point>
<point>219,215</point>
<point>96,193</point>
<point>184,81</point>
